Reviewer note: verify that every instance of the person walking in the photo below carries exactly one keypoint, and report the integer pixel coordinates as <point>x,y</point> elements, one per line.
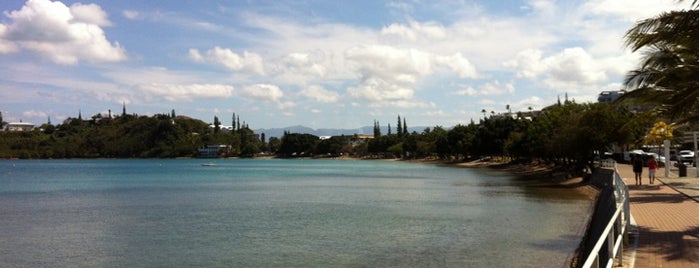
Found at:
<point>652,167</point>
<point>637,169</point>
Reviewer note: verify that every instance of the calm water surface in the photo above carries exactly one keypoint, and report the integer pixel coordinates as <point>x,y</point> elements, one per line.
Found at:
<point>279,213</point>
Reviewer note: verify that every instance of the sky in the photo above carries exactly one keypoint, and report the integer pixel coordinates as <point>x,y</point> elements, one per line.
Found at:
<point>317,63</point>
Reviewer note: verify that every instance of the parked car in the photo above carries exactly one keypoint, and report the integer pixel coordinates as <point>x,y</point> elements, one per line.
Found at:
<point>628,156</point>
<point>686,156</point>
<point>673,155</point>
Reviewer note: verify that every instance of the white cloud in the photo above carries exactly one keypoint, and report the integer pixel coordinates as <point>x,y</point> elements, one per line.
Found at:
<point>468,91</point>
<point>300,68</point>
<point>390,63</point>
<point>459,65</point>
<point>250,62</point>
<point>387,73</point>
<point>569,69</point>
<point>632,10</point>
<point>416,30</point>
<point>35,114</point>
<point>492,88</point>
<point>378,90</point>
<point>320,94</point>
<point>403,104</point>
<point>90,13</point>
<point>63,35</point>
<point>496,88</point>
<point>187,92</point>
<point>131,14</point>
<point>262,92</point>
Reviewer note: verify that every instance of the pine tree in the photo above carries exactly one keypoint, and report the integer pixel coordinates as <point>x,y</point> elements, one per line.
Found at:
<point>217,124</point>
<point>400,127</point>
<point>389,130</point>
<point>238,120</point>
<point>405,127</point>
<point>377,129</point>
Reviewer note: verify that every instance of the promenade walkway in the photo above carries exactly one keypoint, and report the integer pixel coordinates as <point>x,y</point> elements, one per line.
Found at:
<point>667,218</point>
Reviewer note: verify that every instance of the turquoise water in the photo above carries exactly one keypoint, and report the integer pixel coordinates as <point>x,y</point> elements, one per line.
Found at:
<point>279,213</point>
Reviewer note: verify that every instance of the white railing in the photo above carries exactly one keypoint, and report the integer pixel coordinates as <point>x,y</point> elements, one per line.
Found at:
<point>619,222</point>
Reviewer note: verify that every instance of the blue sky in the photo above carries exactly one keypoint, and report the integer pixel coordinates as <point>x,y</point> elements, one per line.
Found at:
<point>322,64</point>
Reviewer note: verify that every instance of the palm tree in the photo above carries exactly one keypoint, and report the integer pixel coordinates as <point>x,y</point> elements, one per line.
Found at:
<point>668,77</point>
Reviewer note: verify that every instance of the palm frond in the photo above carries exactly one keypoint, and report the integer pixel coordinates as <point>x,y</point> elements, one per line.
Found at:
<point>675,27</point>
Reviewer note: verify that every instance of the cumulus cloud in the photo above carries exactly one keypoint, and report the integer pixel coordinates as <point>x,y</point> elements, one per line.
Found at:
<point>492,88</point>
<point>387,73</point>
<point>35,114</point>
<point>64,35</point>
<point>377,90</point>
<point>468,91</point>
<point>496,88</point>
<point>320,94</point>
<point>90,13</point>
<point>131,14</point>
<point>390,63</point>
<point>572,66</point>
<point>458,64</point>
<point>632,10</point>
<point>415,30</point>
<point>300,68</point>
<point>265,92</point>
<point>248,61</point>
<point>187,92</point>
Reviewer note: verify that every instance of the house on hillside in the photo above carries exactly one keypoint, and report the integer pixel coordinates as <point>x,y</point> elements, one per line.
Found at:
<point>19,126</point>
<point>610,96</point>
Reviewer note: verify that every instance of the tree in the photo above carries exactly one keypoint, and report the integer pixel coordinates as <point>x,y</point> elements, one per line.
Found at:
<point>400,127</point>
<point>667,79</point>
<point>660,132</point>
<point>217,125</point>
<point>405,127</point>
<point>377,129</point>
<point>274,144</point>
<point>294,144</point>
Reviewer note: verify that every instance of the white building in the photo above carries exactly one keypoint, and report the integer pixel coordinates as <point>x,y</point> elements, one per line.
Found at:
<point>19,126</point>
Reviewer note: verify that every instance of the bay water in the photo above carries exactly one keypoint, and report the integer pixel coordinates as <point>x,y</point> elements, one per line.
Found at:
<point>280,213</point>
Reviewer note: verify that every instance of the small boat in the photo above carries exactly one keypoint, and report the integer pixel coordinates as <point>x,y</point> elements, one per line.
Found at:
<point>208,164</point>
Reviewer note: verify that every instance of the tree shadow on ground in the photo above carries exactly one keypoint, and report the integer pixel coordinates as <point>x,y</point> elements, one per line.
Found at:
<point>680,245</point>
<point>657,198</point>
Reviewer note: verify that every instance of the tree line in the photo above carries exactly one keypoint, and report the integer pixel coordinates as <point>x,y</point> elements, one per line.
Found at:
<point>127,136</point>
<point>565,134</point>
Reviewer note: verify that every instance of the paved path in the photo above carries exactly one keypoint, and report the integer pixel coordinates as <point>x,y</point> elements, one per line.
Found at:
<point>667,217</point>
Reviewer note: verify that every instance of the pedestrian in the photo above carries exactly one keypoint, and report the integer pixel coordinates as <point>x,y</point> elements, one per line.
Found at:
<point>652,166</point>
<point>637,169</point>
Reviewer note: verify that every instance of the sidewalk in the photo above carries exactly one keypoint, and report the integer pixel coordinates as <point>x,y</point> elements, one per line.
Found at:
<point>667,217</point>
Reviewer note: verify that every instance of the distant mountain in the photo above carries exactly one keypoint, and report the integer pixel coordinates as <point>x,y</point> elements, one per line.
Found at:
<point>279,132</point>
